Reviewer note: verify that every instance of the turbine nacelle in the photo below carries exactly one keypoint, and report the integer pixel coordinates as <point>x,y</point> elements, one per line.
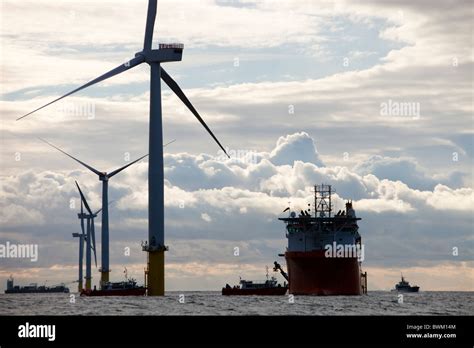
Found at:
<point>86,216</point>
<point>82,215</point>
<point>166,53</point>
<point>103,177</point>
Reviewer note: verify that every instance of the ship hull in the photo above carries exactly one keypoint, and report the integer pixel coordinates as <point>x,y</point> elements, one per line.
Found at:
<point>115,292</point>
<point>311,273</point>
<point>47,291</point>
<point>410,289</point>
<point>249,292</point>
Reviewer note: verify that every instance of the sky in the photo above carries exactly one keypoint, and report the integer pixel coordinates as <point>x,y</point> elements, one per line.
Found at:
<point>374,98</point>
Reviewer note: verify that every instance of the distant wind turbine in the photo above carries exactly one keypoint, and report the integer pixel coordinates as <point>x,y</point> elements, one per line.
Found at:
<point>153,57</point>
<point>82,237</point>
<point>104,177</point>
<point>90,236</point>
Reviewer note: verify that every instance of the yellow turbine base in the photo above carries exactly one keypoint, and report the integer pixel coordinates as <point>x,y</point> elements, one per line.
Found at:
<point>104,278</point>
<point>79,288</point>
<point>88,283</point>
<point>156,273</point>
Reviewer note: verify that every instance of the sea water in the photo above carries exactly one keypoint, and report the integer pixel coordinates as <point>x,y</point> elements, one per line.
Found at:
<point>213,303</point>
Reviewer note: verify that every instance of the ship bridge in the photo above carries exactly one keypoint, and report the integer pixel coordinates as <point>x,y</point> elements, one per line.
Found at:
<point>307,232</point>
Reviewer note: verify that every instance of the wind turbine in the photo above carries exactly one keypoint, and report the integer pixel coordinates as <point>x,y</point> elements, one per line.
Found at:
<point>104,177</point>
<point>153,57</point>
<point>90,237</point>
<point>81,237</point>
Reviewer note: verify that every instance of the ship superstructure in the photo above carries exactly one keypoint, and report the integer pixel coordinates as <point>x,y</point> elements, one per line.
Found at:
<point>325,250</point>
<point>404,286</point>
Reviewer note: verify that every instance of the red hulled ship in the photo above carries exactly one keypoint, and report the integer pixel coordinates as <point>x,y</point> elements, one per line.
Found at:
<point>325,251</point>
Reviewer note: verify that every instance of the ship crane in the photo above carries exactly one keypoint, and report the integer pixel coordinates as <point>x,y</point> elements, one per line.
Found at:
<point>278,268</point>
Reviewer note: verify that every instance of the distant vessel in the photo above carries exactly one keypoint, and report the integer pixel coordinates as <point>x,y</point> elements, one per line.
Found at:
<point>268,287</point>
<point>128,287</point>
<point>33,288</point>
<point>312,270</point>
<point>404,286</point>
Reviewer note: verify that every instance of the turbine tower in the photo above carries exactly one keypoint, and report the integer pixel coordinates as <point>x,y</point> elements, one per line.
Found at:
<point>90,237</point>
<point>81,237</point>
<point>104,177</point>
<point>153,57</point>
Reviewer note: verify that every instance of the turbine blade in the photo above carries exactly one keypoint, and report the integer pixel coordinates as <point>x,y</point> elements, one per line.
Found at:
<point>125,166</point>
<point>93,241</point>
<point>170,142</point>
<point>98,211</point>
<point>177,90</point>
<point>75,159</point>
<point>84,199</point>
<point>150,24</point>
<point>121,68</point>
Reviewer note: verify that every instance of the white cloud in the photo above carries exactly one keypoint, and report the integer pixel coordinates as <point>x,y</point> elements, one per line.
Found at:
<point>445,198</point>
<point>406,170</point>
<point>295,147</point>
<point>206,217</point>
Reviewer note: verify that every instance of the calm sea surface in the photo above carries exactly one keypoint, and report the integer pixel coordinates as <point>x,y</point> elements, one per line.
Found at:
<point>213,303</point>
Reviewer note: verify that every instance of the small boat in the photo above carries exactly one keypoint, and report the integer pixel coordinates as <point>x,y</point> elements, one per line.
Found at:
<point>404,286</point>
<point>269,287</point>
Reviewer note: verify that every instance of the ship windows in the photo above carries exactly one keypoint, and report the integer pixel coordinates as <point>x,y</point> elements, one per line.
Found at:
<point>293,229</point>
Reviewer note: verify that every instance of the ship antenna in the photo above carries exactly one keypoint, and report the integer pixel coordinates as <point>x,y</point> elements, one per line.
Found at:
<point>322,200</point>
<point>267,271</point>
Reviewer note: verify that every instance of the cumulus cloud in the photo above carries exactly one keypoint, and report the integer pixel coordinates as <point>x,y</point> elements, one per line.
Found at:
<point>406,170</point>
<point>239,205</point>
<point>295,147</point>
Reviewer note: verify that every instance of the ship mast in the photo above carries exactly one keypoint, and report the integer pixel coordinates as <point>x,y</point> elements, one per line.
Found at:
<point>322,200</point>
